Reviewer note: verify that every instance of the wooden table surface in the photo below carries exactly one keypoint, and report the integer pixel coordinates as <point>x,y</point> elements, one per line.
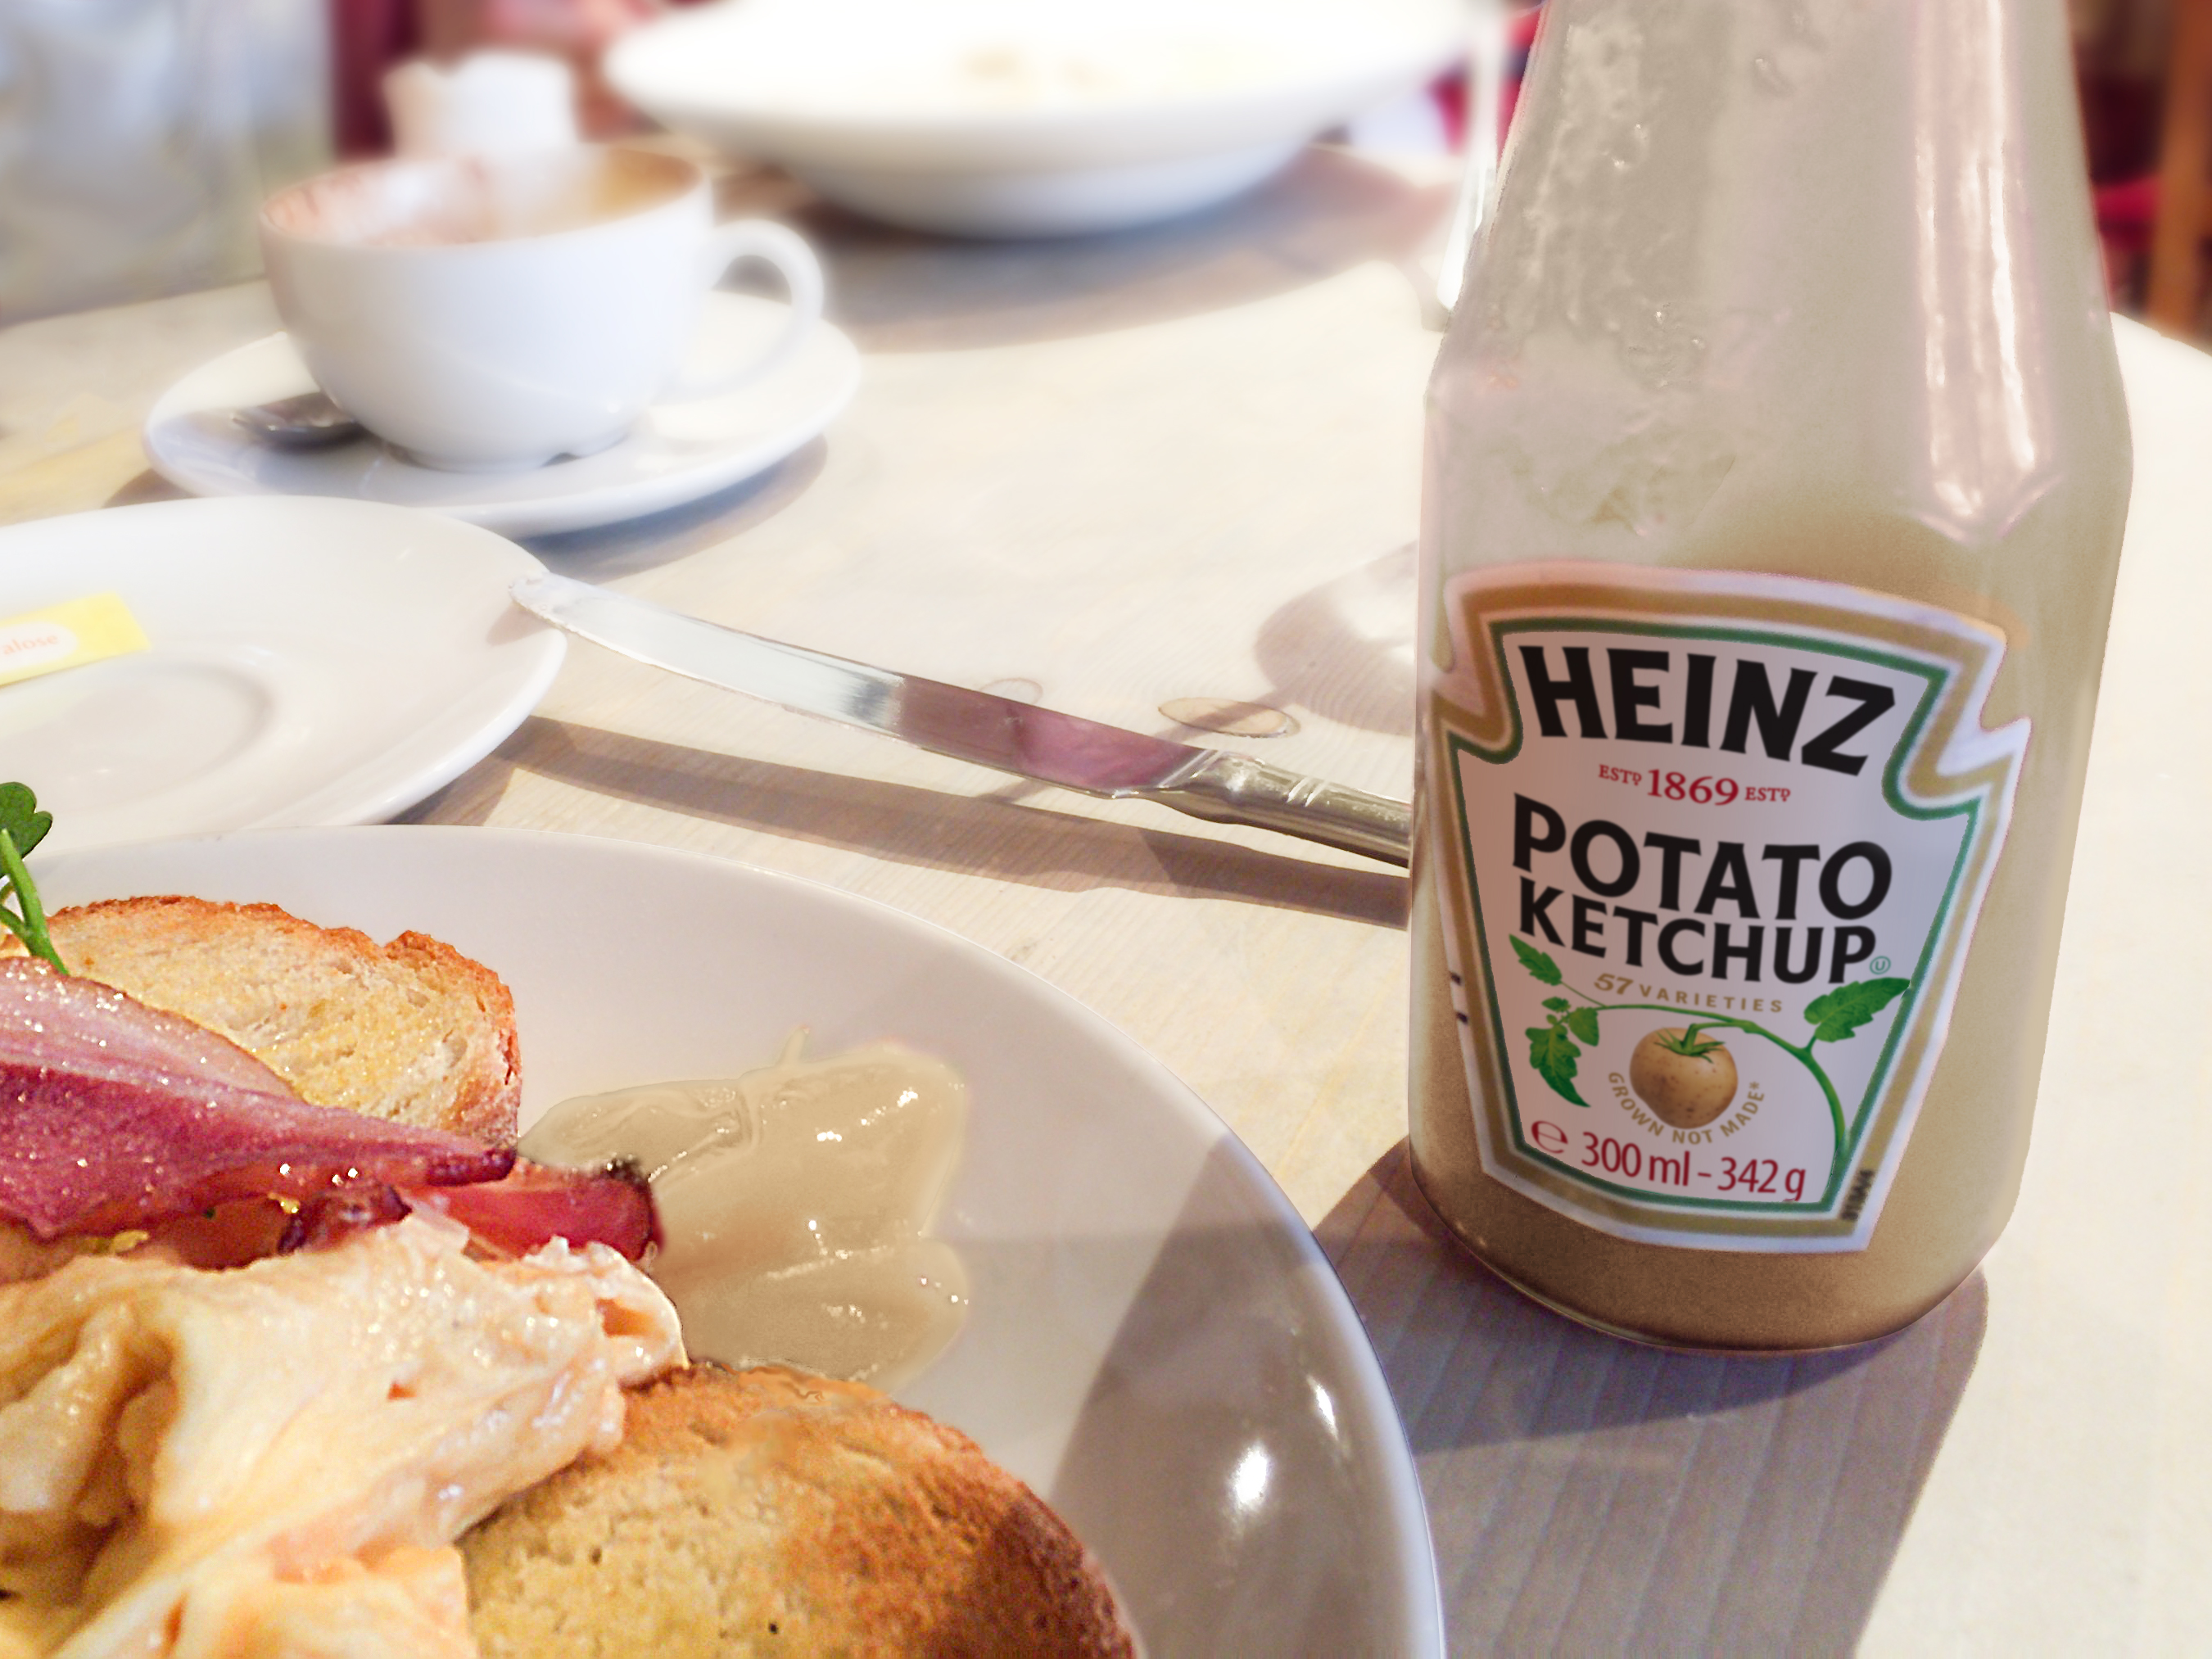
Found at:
<point>1184,464</point>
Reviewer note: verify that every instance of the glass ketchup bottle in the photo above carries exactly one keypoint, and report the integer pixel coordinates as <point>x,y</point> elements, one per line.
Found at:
<point>1777,468</point>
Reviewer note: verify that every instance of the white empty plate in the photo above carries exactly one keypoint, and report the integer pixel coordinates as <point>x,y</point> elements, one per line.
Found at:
<point>309,663</point>
<point>1155,1342</point>
<point>678,452</point>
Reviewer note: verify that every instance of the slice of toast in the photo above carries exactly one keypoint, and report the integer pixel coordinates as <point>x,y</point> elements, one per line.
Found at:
<point>411,1031</point>
<point>769,1511</point>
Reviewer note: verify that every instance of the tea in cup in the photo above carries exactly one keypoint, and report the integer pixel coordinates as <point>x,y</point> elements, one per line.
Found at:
<point>488,313</point>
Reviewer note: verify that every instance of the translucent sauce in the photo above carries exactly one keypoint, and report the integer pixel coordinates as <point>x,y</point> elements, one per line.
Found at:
<point>794,1202</point>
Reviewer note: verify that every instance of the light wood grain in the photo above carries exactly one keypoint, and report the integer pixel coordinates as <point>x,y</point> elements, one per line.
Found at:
<point>1187,465</point>
<point>1590,1495</point>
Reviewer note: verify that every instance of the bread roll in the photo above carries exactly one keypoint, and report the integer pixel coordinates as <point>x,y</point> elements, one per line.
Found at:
<point>769,1511</point>
<point>411,1031</point>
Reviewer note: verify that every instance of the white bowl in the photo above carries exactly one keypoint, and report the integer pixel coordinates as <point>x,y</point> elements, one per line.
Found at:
<point>1028,117</point>
<point>1154,1341</point>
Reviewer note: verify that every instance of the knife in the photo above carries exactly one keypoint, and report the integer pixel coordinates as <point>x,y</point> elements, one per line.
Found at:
<point>1061,750</point>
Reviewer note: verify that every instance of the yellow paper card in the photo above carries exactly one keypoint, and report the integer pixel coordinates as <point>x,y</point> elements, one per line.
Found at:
<point>63,635</point>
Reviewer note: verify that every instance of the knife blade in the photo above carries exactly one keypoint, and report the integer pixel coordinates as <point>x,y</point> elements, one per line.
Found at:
<point>1043,744</point>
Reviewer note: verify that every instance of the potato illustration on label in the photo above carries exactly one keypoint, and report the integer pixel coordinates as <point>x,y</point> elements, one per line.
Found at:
<point>1683,1073</point>
<point>1686,1078</point>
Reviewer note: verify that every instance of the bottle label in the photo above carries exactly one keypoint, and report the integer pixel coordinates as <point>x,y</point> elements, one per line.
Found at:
<point>1710,847</point>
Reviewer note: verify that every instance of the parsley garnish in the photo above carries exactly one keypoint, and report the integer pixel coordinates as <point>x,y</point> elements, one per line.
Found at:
<point>22,827</point>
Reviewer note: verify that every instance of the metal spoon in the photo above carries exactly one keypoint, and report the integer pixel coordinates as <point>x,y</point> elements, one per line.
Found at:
<point>309,421</point>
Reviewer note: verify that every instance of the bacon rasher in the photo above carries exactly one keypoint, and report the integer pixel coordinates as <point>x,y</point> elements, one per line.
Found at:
<point>530,1205</point>
<point>535,1202</point>
<point>115,1117</point>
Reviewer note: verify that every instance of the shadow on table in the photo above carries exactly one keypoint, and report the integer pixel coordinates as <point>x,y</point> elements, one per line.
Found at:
<point>629,545</point>
<point>904,824</point>
<point>1345,649</point>
<point>147,486</point>
<point>623,549</point>
<point>896,290</point>
<point>1591,1495</point>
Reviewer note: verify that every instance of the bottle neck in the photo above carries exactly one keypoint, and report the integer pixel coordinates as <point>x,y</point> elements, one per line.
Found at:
<point>1859,227</point>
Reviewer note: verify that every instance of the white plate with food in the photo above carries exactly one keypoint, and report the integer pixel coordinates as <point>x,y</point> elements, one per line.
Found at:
<point>306,663</point>
<point>1006,117</point>
<point>1153,1340</point>
<point>680,451</point>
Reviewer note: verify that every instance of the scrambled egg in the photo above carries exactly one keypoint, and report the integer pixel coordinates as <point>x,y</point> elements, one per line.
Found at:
<point>275,1460</point>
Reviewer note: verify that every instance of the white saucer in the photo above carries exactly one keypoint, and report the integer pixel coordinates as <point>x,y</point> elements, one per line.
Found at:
<point>679,452</point>
<point>309,663</point>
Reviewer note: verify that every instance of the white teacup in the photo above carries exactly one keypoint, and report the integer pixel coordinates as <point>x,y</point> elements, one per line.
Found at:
<point>491,313</point>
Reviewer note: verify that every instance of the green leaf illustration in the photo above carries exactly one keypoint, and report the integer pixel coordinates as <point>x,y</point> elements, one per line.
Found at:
<point>20,817</point>
<point>1583,1024</point>
<point>1557,1005</point>
<point>1690,1045</point>
<point>1546,970</point>
<point>1837,1014</point>
<point>1553,1054</point>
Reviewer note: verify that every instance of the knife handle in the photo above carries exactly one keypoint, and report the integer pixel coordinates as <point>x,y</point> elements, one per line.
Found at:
<point>1232,789</point>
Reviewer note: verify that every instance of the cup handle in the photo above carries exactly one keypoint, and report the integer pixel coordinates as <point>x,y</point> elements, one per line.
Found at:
<point>775,245</point>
